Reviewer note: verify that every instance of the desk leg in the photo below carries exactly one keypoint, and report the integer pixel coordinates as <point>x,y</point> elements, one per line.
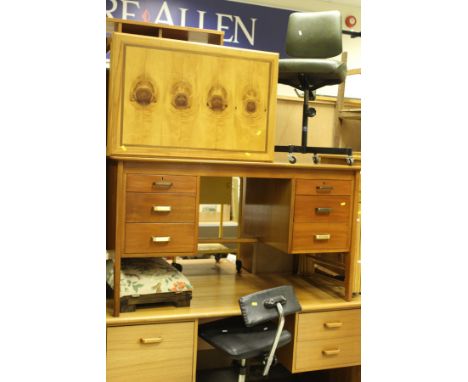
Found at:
<point>351,257</point>
<point>346,374</point>
<point>119,234</point>
<point>116,287</point>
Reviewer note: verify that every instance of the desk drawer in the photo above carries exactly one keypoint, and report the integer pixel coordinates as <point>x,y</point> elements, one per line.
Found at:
<point>323,187</point>
<point>167,356</point>
<point>159,238</point>
<point>160,208</point>
<point>313,237</point>
<point>161,183</point>
<point>327,354</point>
<point>322,209</point>
<point>327,325</point>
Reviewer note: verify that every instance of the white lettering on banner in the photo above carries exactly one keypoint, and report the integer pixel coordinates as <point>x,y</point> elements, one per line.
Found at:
<point>201,19</point>
<point>220,26</point>
<point>125,12</point>
<point>183,12</point>
<point>167,13</point>
<point>231,25</point>
<point>114,7</point>
<point>239,23</point>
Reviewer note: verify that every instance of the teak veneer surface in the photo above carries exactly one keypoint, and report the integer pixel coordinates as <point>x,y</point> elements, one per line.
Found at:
<point>182,99</point>
<point>217,289</point>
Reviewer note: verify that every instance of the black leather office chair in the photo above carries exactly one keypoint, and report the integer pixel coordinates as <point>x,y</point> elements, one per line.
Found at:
<point>252,335</point>
<point>312,39</point>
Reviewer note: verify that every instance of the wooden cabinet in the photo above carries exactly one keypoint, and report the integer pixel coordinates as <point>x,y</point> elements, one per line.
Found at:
<point>155,214</point>
<point>310,213</point>
<point>182,99</point>
<point>323,340</point>
<point>160,215</point>
<point>149,353</point>
<point>322,215</point>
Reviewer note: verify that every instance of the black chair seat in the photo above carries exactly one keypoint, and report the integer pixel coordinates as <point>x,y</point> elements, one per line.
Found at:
<point>319,72</point>
<point>232,337</point>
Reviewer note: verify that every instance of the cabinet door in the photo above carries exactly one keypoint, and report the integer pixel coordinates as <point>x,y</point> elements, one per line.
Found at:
<point>177,98</point>
<point>151,353</point>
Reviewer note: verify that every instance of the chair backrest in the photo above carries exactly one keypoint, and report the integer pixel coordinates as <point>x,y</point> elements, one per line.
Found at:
<point>314,34</point>
<point>260,306</point>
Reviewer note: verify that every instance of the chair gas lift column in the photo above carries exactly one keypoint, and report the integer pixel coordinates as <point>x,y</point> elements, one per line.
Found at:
<point>311,39</point>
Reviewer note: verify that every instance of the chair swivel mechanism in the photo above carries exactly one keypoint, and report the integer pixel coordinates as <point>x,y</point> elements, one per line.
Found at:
<point>252,335</point>
<point>312,38</point>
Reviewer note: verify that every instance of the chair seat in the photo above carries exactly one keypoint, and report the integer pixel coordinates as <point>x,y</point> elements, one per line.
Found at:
<point>319,72</point>
<point>231,336</point>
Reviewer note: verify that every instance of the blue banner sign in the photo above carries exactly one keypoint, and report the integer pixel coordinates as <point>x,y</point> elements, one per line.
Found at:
<point>244,25</point>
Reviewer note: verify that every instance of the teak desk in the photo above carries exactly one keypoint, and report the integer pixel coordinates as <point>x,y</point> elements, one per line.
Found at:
<point>289,209</point>
<point>160,343</point>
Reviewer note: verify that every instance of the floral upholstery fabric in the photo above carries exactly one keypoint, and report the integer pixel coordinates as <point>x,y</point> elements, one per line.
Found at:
<point>147,276</point>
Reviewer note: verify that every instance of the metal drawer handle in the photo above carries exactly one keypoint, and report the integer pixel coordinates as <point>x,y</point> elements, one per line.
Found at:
<point>161,239</point>
<point>162,208</point>
<point>325,236</point>
<point>162,184</point>
<point>323,211</point>
<point>332,325</point>
<point>152,340</point>
<point>324,188</point>
<point>331,352</point>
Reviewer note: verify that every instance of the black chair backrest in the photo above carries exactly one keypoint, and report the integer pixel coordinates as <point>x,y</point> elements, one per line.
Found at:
<point>260,306</point>
<point>314,34</point>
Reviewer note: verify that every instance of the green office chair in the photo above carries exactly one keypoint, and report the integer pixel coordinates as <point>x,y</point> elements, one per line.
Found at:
<point>311,39</point>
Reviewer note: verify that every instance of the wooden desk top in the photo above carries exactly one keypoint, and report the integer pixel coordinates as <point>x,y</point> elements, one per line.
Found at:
<point>217,289</point>
<point>242,166</point>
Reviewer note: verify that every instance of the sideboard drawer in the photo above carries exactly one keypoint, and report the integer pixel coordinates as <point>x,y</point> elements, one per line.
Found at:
<point>323,187</point>
<point>160,208</point>
<point>327,354</point>
<point>161,183</point>
<point>159,238</point>
<point>327,325</point>
<point>322,209</point>
<point>313,237</point>
<point>144,353</point>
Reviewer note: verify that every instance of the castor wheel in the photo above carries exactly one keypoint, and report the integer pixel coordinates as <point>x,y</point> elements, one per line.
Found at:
<point>217,257</point>
<point>177,266</point>
<point>315,159</point>
<point>292,159</point>
<point>238,266</point>
<point>349,161</point>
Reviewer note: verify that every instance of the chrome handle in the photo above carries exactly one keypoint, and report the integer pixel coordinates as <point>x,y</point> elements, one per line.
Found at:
<point>324,188</point>
<point>330,352</point>
<point>332,325</point>
<point>161,239</point>
<point>323,211</point>
<point>162,208</point>
<point>325,236</point>
<point>153,340</point>
<point>162,184</point>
